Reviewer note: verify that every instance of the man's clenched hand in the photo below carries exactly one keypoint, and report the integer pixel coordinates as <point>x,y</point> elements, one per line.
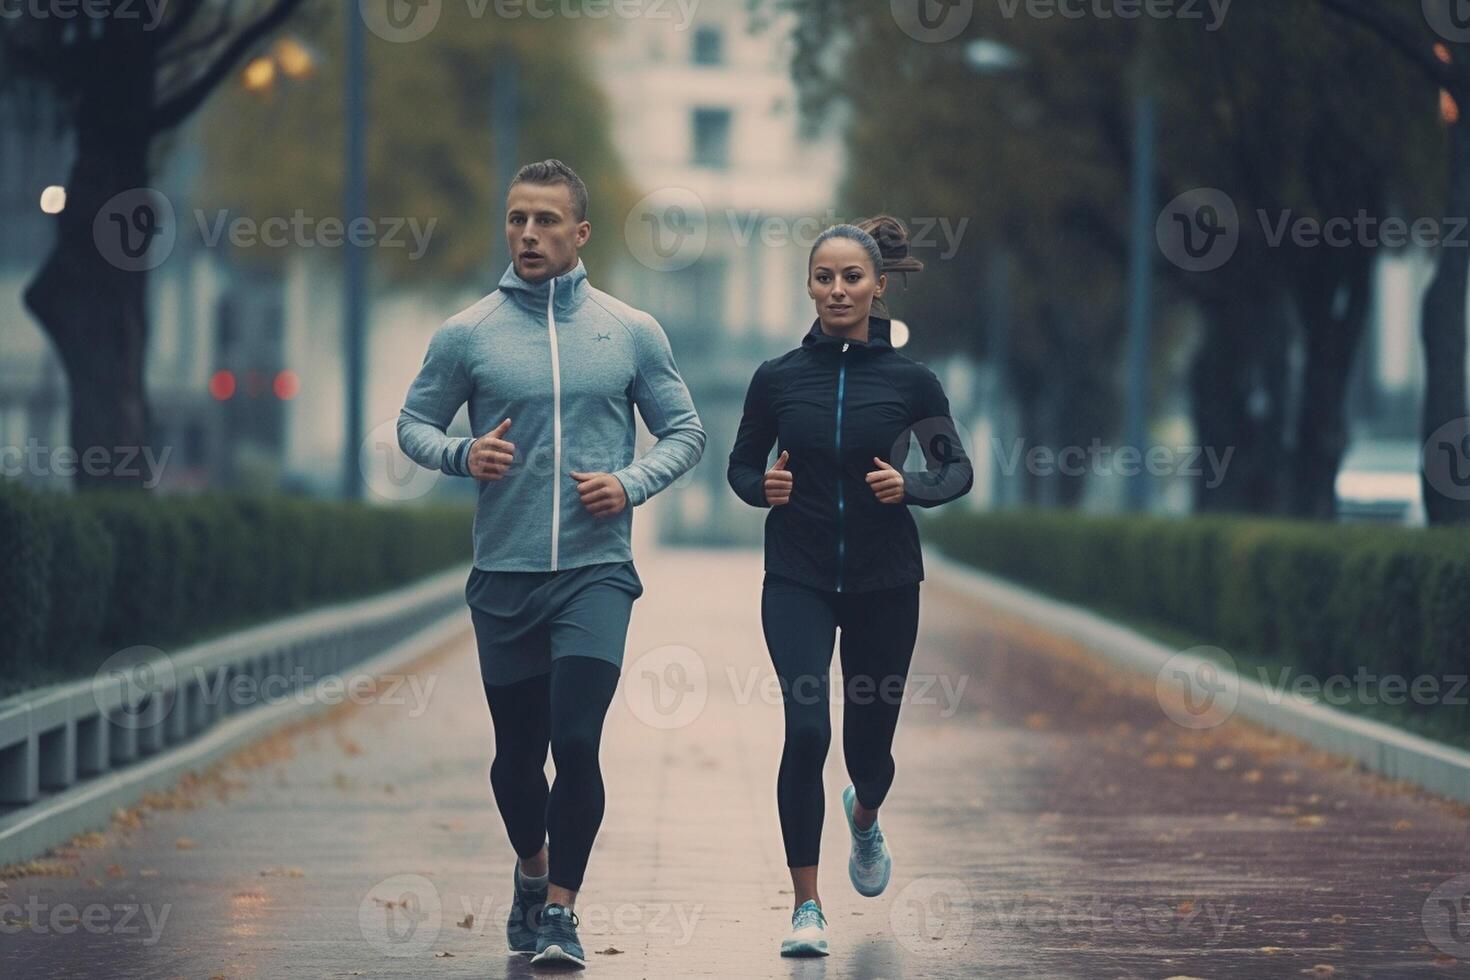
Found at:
<point>490,455</point>
<point>602,493</point>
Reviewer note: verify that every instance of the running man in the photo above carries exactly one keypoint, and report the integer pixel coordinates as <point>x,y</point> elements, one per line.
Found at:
<point>552,369</point>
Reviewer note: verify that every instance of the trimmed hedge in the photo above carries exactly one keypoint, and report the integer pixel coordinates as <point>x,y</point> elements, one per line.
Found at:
<point>1324,598</point>
<point>85,575</point>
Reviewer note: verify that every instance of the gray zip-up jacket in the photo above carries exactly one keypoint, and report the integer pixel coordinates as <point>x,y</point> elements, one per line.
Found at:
<point>566,363</point>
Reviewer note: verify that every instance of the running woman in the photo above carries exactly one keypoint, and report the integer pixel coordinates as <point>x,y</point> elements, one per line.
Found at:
<point>552,369</point>
<point>842,551</point>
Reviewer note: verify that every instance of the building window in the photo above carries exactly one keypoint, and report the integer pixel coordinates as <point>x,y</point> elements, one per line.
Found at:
<point>712,138</point>
<point>708,46</point>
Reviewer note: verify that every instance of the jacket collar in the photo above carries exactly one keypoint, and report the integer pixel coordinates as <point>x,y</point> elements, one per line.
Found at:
<point>878,336</point>
<point>571,289</point>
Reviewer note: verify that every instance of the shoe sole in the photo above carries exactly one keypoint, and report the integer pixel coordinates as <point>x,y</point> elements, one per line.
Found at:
<point>555,954</point>
<point>804,947</point>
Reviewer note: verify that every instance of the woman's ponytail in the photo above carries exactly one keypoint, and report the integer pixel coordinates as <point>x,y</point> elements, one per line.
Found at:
<point>893,242</point>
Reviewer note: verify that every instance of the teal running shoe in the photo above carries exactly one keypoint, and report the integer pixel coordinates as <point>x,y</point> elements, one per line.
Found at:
<point>869,865</point>
<point>557,942</point>
<point>525,911</point>
<point>808,932</point>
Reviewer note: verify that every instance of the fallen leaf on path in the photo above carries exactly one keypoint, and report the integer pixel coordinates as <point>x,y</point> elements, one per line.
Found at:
<point>610,951</point>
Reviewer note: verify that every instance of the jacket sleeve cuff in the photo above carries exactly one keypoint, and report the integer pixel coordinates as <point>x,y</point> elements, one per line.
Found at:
<point>632,486</point>
<point>459,458</point>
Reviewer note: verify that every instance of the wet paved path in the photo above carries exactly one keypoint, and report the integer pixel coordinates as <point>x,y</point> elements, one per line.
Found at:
<point>1047,820</point>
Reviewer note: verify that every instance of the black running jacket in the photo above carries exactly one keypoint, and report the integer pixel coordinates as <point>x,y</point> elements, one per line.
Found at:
<point>833,405</point>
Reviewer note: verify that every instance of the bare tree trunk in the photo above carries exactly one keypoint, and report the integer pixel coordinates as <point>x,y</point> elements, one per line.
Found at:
<point>1237,388</point>
<point>1332,341</point>
<point>96,315</point>
<point>93,308</point>
<point>1442,327</point>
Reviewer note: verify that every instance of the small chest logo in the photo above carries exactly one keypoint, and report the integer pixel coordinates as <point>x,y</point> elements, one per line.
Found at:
<point>603,336</point>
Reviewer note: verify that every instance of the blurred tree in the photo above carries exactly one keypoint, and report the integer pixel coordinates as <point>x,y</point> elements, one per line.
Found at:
<point>122,81</point>
<point>127,83</point>
<point>1279,108</point>
<point>1300,120</point>
<point>1443,319</point>
<point>431,149</point>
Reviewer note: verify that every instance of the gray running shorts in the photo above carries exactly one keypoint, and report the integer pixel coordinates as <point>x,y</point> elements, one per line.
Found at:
<point>525,620</point>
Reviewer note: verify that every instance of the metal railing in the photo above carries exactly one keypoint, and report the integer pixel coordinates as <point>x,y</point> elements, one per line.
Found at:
<point>144,702</point>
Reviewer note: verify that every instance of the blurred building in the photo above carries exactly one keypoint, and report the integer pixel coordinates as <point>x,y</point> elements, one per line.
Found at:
<point>705,118</point>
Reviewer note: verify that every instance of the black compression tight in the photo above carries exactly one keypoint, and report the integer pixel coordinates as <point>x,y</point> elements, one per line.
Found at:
<point>564,710</point>
<point>878,634</point>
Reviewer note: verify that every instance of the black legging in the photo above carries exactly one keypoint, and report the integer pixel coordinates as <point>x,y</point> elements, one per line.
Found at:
<point>878,633</point>
<point>563,709</point>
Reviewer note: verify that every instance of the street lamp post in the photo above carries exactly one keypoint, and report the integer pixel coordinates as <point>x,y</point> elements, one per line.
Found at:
<point>1140,275</point>
<point>353,205</point>
<point>992,59</point>
<point>504,130</point>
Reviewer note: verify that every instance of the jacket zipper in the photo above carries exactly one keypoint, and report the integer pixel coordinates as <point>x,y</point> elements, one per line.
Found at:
<point>555,424</point>
<point>841,504</point>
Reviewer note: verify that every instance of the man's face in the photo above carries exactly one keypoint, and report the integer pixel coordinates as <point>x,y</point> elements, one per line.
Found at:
<point>542,231</point>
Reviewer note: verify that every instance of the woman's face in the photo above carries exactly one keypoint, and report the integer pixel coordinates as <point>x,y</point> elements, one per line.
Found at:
<point>843,283</point>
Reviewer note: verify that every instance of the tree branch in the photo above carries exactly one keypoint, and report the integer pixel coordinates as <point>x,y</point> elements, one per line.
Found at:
<point>1369,15</point>
<point>178,108</point>
<point>203,42</point>
<point>184,13</point>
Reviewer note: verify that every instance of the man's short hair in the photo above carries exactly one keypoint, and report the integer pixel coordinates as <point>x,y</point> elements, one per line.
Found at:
<point>556,172</point>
